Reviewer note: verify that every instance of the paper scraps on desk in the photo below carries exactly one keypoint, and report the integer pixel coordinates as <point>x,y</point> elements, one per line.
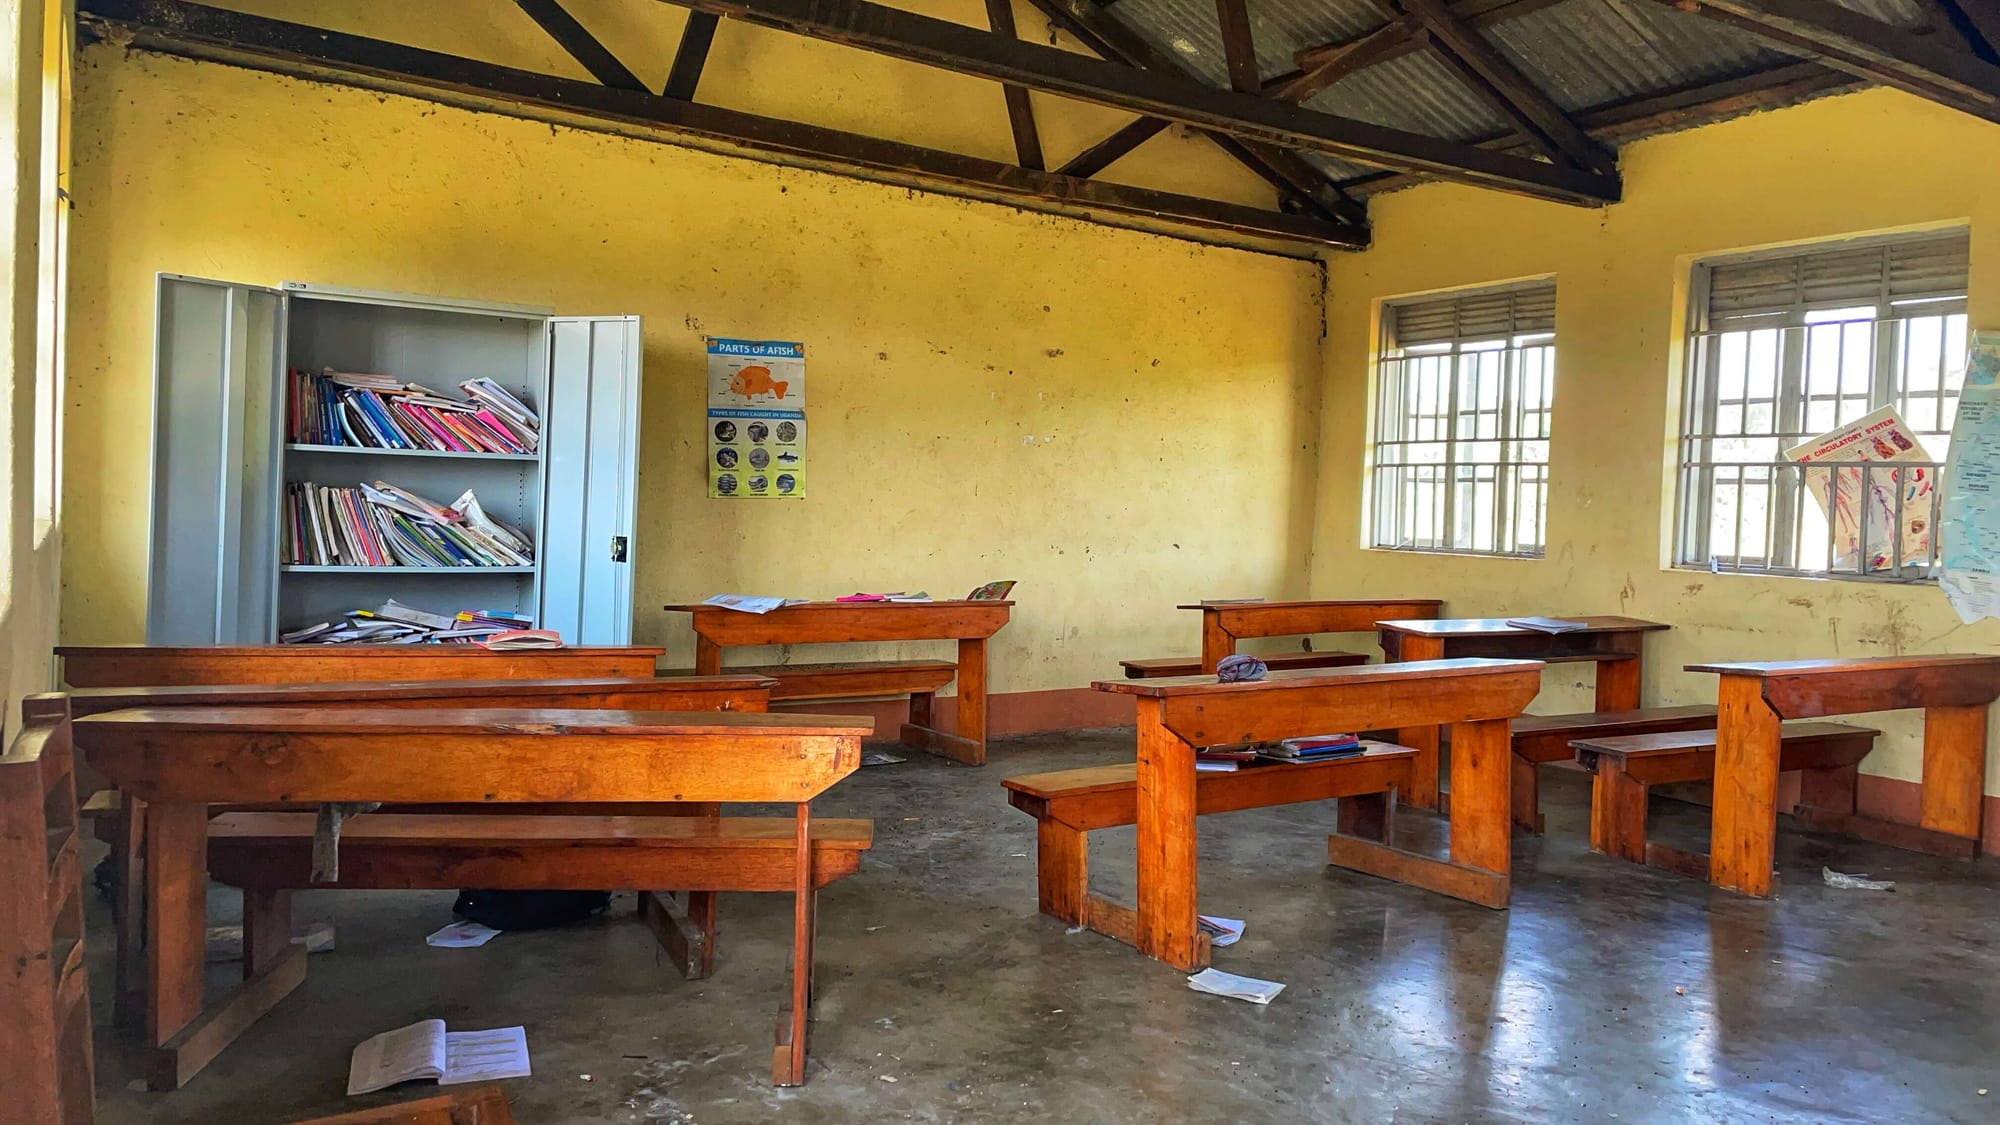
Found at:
<point>1218,983</point>
<point>462,935</point>
<point>748,603</point>
<point>1220,931</point>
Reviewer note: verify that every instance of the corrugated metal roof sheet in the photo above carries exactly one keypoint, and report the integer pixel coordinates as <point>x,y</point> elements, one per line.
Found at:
<point>1585,53</point>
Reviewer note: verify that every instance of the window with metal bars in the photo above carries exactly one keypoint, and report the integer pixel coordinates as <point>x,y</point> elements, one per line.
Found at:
<point>1785,347</point>
<point>1461,449</point>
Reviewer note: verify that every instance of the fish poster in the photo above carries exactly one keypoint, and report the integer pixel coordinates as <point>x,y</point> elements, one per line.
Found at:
<point>756,419</point>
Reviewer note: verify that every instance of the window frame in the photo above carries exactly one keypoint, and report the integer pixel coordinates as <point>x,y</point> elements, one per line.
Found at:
<point>1388,518</point>
<point>1792,398</point>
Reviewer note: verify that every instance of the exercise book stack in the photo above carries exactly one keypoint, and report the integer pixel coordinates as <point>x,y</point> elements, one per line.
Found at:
<point>394,623</point>
<point>339,408</point>
<point>383,525</point>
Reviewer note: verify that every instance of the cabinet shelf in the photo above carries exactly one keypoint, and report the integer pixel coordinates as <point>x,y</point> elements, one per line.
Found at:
<point>290,568</point>
<point>371,451</point>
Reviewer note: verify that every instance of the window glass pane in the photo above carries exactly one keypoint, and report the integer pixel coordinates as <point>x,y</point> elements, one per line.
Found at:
<point>1790,347</point>
<point>1462,422</point>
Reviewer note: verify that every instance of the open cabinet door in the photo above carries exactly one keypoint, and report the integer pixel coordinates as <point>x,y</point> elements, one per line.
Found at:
<point>217,359</point>
<point>590,434</point>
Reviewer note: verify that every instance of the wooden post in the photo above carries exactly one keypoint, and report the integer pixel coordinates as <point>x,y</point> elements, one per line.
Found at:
<point>972,694</point>
<point>1742,840</point>
<point>788,1061</point>
<point>1481,768</point>
<point>1954,782</point>
<point>1526,798</point>
<point>1166,841</point>
<point>707,656</point>
<point>1062,870</point>
<point>1424,784</point>
<point>176,916</point>
<point>1618,681</point>
<point>1216,643</point>
<point>1617,812</point>
<point>267,928</point>
<point>129,906</point>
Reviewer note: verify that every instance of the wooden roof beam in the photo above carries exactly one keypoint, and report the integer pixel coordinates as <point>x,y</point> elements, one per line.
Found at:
<point>1020,113</point>
<point>691,55</point>
<point>955,47</point>
<point>582,46</point>
<point>215,34</point>
<point>1867,48</point>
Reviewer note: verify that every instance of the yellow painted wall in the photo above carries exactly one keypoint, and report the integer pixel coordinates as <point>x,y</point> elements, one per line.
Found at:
<point>1119,420</point>
<point>1871,161</point>
<point>32,88</point>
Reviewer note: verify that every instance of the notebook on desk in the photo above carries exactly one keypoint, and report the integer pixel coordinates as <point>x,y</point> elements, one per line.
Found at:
<point>1552,625</point>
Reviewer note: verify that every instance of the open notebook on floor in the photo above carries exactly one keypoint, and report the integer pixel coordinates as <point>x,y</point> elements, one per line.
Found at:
<point>426,1050</point>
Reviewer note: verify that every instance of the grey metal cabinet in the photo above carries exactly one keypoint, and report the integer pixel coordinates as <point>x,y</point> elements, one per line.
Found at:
<point>221,461</point>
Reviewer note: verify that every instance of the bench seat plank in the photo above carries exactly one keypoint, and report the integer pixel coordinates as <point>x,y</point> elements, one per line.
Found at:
<point>1626,767</point>
<point>395,851</point>
<point>855,679</point>
<point>1191,665</point>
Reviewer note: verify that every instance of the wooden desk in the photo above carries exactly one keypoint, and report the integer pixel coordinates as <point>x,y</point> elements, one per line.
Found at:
<point>182,760</point>
<point>1615,644</point>
<point>967,622</point>
<point>1954,692</point>
<point>128,665</point>
<point>1179,715</point>
<point>1223,625</point>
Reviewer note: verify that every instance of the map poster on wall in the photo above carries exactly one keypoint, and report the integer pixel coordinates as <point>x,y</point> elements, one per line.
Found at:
<point>756,419</point>
<point>1969,522</point>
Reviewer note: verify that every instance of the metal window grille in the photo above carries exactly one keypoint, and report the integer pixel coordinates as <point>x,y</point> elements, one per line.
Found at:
<point>1461,453</point>
<point>1783,348</point>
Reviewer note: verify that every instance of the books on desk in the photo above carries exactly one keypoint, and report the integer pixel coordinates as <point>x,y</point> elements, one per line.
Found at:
<point>1311,748</point>
<point>1554,626</point>
<point>1223,759</point>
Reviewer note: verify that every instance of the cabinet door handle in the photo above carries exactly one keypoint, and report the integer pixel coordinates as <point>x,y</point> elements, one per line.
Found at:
<point>618,548</point>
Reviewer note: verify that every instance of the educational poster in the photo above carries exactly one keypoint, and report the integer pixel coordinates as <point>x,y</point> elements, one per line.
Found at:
<point>1969,515</point>
<point>756,419</point>
<point>1850,494</point>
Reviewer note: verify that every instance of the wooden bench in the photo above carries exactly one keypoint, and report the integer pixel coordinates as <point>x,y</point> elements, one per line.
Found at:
<point>1543,739</point>
<point>1068,804</point>
<point>130,665</point>
<point>45,1045</point>
<point>1276,661</point>
<point>1225,623</point>
<point>968,623</point>
<point>479,1105</point>
<point>1954,691</point>
<point>687,925</point>
<point>1624,769</point>
<point>1616,645</point>
<point>180,761</point>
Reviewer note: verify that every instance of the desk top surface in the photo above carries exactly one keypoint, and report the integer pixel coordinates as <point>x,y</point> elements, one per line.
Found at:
<point>95,700</point>
<point>1306,678</point>
<point>935,604</point>
<point>1780,669</point>
<point>359,651</point>
<point>1343,603</point>
<point>1450,627</point>
<point>478,722</point>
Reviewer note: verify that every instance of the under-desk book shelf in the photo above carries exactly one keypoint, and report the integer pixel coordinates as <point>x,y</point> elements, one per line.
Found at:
<point>228,469</point>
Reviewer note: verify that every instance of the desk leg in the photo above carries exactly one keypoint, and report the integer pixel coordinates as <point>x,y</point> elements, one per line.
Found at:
<point>1954,781</point>
<point>1216,643</point>
<point>1481,772</point>
<point>176,920</point>
<point>1424,784</point>
<point>972,695</point>
<point>129,872</point>
<point>1166,831</point>
<point>1618,680</point>
<point>788,1058</point>
<point>1743,839</point>
<point>707,657</point>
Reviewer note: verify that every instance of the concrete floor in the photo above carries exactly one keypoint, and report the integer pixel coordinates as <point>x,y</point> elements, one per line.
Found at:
<point>1608,992</point>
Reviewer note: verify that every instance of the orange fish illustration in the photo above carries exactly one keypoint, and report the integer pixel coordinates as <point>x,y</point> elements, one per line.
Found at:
<point>753,381</point>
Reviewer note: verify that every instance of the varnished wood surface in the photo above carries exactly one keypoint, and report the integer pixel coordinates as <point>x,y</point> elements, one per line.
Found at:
<point>1160,667</point>
<point>1106,796</point>
<point>1297,618</point>
<point>1451,627</point>
<point>479,1105</point>
<point>251,755</point>
<point>126,665</point>
<point>1306,679</point>
<point>848,622</point>
<point>516,693</point>
<point>503,829</point>
<point>1805,689</point>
